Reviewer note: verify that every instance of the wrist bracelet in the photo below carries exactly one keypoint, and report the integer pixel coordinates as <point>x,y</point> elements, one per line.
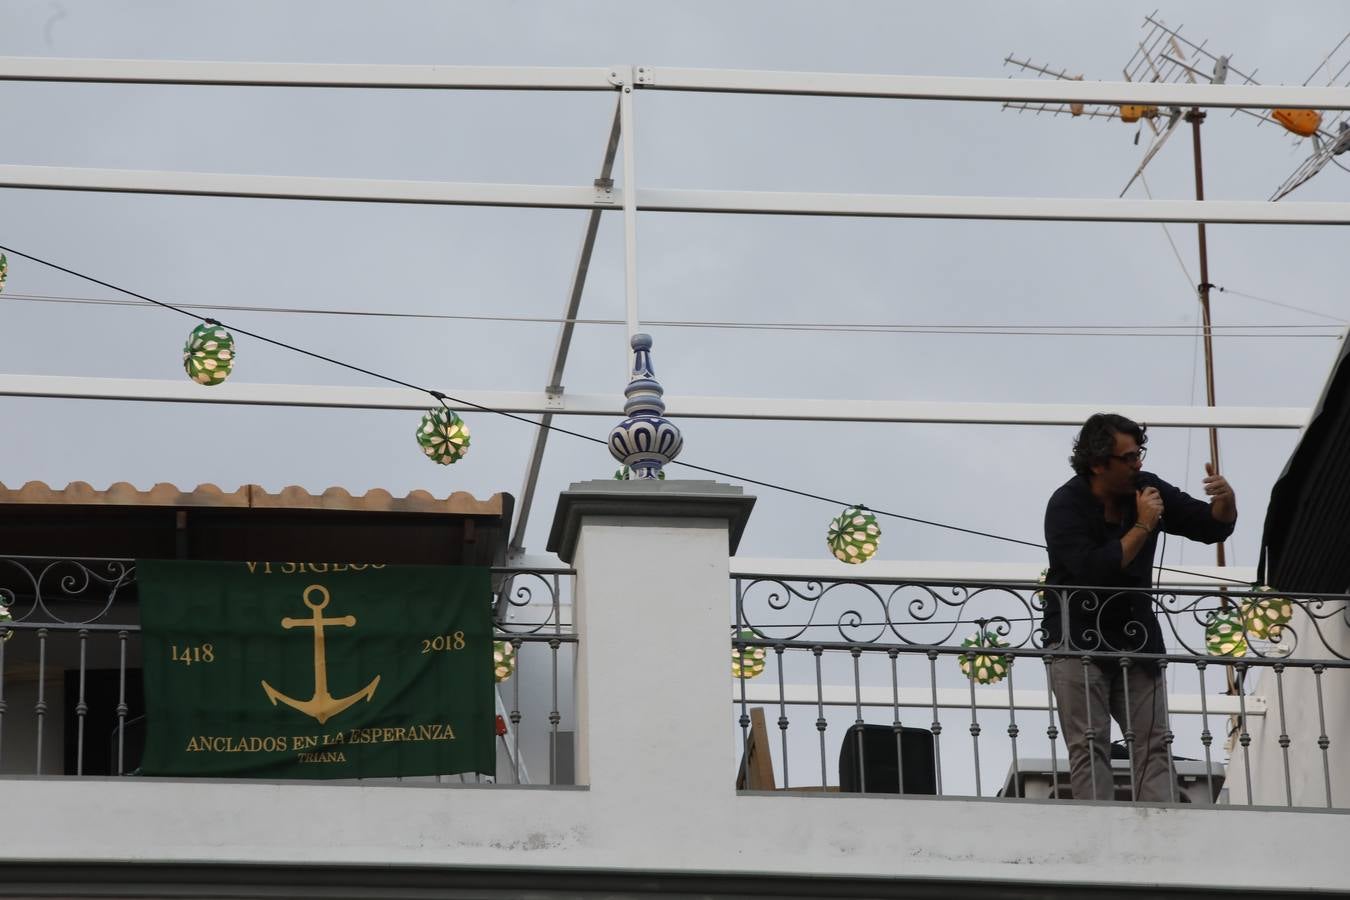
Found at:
<point>1147,530</point>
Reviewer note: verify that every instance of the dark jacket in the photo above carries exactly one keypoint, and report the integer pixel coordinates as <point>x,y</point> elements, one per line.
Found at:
<point>1085,552</point>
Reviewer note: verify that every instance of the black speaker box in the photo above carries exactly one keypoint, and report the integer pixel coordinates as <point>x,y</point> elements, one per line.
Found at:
<point>868,761</point>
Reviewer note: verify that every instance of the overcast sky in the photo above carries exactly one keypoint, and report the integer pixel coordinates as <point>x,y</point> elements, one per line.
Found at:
<point>480,261</point>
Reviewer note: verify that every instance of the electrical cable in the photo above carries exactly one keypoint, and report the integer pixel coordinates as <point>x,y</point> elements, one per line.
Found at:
<point>190,315</point>
<point>1195,367</point>
<point>1162,555</point>
<point>1190,282</point>
<point>442,398</point>
<point>1005,330</point>
<point>1302,309</point>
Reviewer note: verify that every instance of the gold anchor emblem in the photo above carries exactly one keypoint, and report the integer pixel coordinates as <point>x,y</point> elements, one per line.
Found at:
<point>323,705</point>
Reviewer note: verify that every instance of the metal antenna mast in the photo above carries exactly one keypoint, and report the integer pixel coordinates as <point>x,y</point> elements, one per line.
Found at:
<point>1163,55</point>
<point>1159,58</point>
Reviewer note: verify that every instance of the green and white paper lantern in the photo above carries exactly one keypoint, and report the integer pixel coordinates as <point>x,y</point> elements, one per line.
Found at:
<point>4,270</point>
<point>503,660</point>
<point>443,435</point>
<point>748,661</point>
<point>1224,635</point>
<point>208,355</point>
<point>853,536</point>
<point>1265,618</point>
<point>984,668</point>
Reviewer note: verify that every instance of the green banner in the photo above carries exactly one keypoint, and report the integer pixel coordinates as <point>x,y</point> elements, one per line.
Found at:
<point>316,670</point>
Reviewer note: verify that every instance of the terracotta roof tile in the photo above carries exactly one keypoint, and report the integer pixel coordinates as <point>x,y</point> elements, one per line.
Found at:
<point>79,493</point>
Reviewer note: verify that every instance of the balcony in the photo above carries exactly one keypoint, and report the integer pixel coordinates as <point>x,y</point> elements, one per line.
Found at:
<point>637,666</point>
<point>823,658</point>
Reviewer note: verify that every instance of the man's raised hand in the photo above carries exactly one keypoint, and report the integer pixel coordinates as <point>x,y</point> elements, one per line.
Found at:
<point>1215,484</point>
<point>1222,500</point>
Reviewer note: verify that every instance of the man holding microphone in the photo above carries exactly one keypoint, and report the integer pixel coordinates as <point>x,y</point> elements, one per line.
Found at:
<point>1101,531</point>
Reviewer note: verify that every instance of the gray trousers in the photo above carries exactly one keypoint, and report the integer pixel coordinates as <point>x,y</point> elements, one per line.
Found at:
<point>1089,696</point>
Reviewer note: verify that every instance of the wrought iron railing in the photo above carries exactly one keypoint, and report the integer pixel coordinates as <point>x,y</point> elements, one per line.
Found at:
<point>533,614</point>
<point>70,655</point>
<point>1261,670</point>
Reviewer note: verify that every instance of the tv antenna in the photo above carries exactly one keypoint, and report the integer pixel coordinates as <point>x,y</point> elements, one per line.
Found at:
<point>1333,138</point>
<point>1163,55</point>
<point>1328,139</point>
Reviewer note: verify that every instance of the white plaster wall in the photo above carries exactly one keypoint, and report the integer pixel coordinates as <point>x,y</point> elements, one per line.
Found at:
<point>390,825</point>
<point>652,691</point>
<point>1308,766</point>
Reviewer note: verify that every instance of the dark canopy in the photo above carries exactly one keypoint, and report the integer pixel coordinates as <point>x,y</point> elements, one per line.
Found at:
<point>1306,543</point>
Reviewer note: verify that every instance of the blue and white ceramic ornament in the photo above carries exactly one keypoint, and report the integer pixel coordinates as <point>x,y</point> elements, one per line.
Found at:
<point>645,441</point>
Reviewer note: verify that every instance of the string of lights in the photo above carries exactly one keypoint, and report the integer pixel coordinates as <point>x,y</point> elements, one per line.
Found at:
<point>439,425</point>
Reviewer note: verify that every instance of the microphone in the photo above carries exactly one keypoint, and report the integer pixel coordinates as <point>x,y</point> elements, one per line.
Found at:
<point>1143,480</point>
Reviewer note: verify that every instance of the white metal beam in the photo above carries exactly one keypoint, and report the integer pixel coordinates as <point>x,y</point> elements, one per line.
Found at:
<point>295,187</point>
<point>1026,90</point>
<point>1237,212</point>
<point>611,405</point>
<point>302,187</point>
<point>936,411</point>
<point>154,71</point>
<point>595,78</point>
<point>554,388</point>
<point>630,198</point>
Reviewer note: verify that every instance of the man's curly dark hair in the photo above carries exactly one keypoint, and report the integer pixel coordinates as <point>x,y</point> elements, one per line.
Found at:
<point>1096,440</point>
